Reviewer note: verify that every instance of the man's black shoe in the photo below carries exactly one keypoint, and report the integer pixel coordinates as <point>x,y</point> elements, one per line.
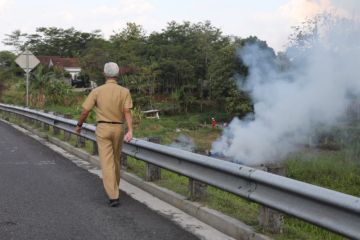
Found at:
<point>114,202</point>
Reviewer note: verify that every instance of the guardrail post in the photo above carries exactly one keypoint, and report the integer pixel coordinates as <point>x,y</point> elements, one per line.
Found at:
<point>27,120</point>
<point>95,150</point>
<point>80,142</point>
<point>153,172</point>
<point>6,116</point>
<point>38,123</point>
<point>271,220</point>
<point>197,189</point>
<point>55,129</point>
<point>45,126</point>
<point>67,135</point>
<point>123,161</point>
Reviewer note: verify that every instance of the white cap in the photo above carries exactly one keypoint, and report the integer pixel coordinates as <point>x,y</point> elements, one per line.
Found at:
<point>111,69</point>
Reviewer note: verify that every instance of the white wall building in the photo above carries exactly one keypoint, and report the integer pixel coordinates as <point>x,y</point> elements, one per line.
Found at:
<point>70,65</point>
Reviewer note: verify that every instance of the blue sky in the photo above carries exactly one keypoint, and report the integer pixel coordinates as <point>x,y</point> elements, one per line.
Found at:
<point>270,20</point>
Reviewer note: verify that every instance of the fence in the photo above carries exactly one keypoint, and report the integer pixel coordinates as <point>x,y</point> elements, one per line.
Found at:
<point>328,209</point>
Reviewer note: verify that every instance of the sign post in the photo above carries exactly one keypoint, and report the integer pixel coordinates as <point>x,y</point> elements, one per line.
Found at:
<point>27,61</point>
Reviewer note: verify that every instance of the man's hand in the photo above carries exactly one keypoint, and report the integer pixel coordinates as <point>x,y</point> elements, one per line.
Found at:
<point>82,119</point>
<point>128,136</point>
<point>78,129</point>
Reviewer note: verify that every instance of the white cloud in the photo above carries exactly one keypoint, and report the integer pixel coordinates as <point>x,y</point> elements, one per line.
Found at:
<point>108,18</point>
<point>4,4</point>
<point>116,17</point>
<point>136,6</point>
<point>275,27</point>
<point>126,7</point>
<point>63,15</point>
<point>112,18</point>
<point>298,10</point>
<point>104,9</point>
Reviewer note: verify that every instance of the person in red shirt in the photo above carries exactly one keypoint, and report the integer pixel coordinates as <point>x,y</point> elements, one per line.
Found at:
<point>213,122</point>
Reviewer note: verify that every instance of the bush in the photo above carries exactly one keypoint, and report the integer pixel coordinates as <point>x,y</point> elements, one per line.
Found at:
<point>2,88</point>
<point>58,92</point>
<point>47,89</point>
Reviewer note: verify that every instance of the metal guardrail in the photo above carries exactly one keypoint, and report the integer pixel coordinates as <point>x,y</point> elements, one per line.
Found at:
<point>326,208</point>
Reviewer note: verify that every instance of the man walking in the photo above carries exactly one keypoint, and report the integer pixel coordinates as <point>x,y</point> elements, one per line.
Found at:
<point>113,103</point>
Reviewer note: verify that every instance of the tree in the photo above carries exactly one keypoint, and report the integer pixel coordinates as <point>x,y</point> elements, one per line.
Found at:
<point>7,59</point>
<point>93,58</point>
<point>8,65</point>
<point>208,40</point>
<point>8,69</point>
<point>129,46</point>
<point>225,71</point>
<point>184,51</point>
<point>52,41</point>
<point>16,39</point>
<point>305,35</point>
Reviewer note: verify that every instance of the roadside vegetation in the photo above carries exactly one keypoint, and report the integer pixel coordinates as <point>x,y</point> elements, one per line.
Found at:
<point>189,72</point>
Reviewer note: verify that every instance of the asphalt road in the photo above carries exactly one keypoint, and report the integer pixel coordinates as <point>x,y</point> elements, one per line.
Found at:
<point>45,196</point>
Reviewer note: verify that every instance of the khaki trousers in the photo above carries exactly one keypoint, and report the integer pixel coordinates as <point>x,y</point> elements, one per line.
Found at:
<point>109,139</point>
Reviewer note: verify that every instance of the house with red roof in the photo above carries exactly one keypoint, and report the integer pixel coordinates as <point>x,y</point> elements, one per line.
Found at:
<point>70,65</point>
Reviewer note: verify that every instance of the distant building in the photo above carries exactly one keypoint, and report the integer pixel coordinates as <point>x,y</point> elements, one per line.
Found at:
<point>70,65</point>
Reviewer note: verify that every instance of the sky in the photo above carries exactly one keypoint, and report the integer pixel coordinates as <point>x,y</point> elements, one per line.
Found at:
<point>270,20</point>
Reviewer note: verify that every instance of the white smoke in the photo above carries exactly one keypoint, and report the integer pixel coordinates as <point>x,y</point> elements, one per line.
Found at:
<point>290,105</point>
<point>184,142</point>
<point>351,6</point>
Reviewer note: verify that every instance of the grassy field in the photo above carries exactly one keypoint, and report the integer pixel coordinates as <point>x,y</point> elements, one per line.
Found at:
<point>338,170</point>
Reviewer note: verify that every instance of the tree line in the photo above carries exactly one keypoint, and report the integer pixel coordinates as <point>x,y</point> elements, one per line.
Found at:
<point>192,65</point>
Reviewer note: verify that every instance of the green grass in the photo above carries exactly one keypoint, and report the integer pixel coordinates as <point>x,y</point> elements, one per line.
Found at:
<point>15,93</point>
<point>329,169</point>
<point>233,206</point>
<point>170,127</point>
<point>137,167</point>
<point>174,181</point>
<point>300,230</point>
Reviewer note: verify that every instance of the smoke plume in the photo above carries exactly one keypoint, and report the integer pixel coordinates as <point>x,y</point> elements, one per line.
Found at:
<point>184,142</point>
<point>322,78</point>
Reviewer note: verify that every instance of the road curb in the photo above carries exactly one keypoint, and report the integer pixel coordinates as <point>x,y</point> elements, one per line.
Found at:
<point>217,220</point>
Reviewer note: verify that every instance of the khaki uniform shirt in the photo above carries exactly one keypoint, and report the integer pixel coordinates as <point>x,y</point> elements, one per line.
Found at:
<point>110,101</point>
